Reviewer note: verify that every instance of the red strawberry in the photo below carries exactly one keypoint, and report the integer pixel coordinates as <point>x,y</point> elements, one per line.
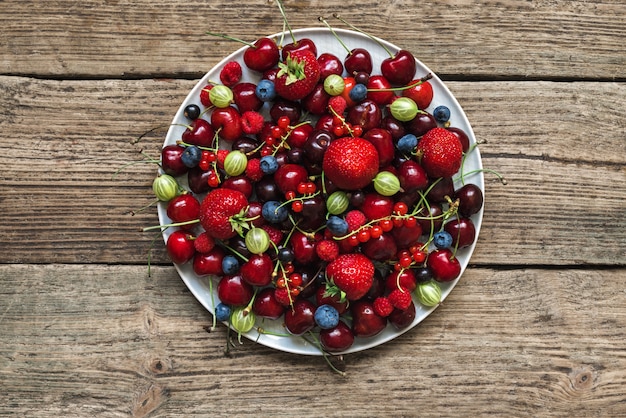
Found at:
<point>297,75</point>
<point>221,211</point>
<point>352,273</point>
<point>440,153</point>
<point>350,163</point>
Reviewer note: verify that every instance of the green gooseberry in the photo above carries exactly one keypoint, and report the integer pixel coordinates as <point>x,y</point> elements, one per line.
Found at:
<point>334,85</point>
<point>165,187</point>
<point>235,163</point>
<point>221,96</point>
<point>257,241</point>
<point>404,109</point>
<point>242,319</point>
<point>429,293</point>
<point>386,183</point>
<point>337,203</point>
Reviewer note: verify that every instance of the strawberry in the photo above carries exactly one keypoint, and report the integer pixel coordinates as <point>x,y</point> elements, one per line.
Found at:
<point>350,163</point>
<point>352,274</point>
<point>222,212</point>
<point>297,75</point>
<point>440,153</point>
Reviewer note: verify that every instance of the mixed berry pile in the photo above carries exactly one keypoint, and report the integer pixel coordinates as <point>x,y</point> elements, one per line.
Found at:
<point>320,196</point>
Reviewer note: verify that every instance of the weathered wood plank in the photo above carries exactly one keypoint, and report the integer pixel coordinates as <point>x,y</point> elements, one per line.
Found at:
<point>61,203</point>
<point>538,39</point>
<point>91,340</point>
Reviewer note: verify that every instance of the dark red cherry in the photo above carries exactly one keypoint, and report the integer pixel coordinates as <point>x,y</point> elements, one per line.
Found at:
<point>337,339</point>
<point>422,94</point>
<point>381,138</point>
<point>381,98</point>
<point>380,249</point>
<point>470,199</point>
<point>183,208</point>
<point>245,97</point>
<point>265,304</point>
<point>239,183</point>
<point>329,64</point>
<point>412,176</point>
<point>286,108</point>
<point>180,247</point>
<point>301,317</point>
<point>257,271</point>
<point>317,101</point>
<point>421,124</point>
<point>462,230</point>
<point>200,132</point>
<point>365,321</point>
<point>209,264</point>
<point>359,59</point>
<point>198,180</point>
<point>304,44</point>
<point>399,69</point>
<point>171,161</point>
<point>367,114</point>
<point>234,291</point>
<point>402,318</point>
<point>228,121</point>
<point>263,56</point>
<point>465,143</point>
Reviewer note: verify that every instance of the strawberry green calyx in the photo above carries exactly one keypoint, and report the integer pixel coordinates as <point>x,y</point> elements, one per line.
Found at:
<point>293,69</point>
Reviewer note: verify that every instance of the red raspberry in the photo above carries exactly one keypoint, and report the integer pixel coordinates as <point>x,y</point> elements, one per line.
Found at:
<point>382,306</point>
<point>204,243</point>
<point>276,236</point>
<point>231,73</point>
<point>221,156</point>
<point>253,169</point>
<point>282,296</point>
<point>327,250</point>
<point>337,104</point>
<point>204,95</point>
<point>252,122</point>
<point>400,299</point>
<point>355,219</point>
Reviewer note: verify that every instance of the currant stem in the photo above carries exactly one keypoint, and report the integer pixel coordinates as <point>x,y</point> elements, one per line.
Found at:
<point>336,16</point>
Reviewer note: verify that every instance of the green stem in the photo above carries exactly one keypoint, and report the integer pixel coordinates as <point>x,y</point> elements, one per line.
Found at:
<point>336,16</point>
<point>164,227</point>
<point>231,38</point>
<point>285,21</point>
<point>321,19</point>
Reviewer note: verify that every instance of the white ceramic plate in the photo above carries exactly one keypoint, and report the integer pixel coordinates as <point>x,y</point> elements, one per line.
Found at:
<point>326,42</point>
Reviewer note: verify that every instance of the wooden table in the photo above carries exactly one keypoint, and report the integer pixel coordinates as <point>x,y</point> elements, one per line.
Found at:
<point>536,326</point>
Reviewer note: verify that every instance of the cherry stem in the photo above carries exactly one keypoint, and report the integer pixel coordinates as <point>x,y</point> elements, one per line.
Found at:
<point>321,19</point>
<point>325,353</point>
<point>336,16</point>
<point>148,161</point>
<point>164,227</point>
<point>417,83</point>
<point>231,38</point>
<point>285,21</point>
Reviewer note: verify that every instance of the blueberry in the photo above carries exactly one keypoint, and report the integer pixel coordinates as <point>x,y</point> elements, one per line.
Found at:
<point>285,255</point>
<point>230,265</point>
<point>222,312</point>
<point>337,226</point>
<point>326,317</point>
<point>407,143</point>
<point>273,212</point>
<point>191,156</point>
<point>442,239</point>
<point>265,91</point>
<point>358,93</point>
<point>269,164</point>
<point>441,114</point>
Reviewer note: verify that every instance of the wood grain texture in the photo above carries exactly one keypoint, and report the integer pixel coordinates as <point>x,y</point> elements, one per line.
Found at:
<point>564,166</point>
<point>485,39</point>
<point>110,341</point>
